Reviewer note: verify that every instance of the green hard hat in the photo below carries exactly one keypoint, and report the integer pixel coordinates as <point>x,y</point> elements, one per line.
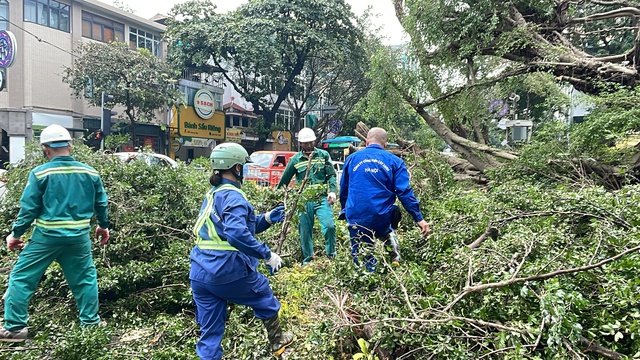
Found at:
<point>226,155</point>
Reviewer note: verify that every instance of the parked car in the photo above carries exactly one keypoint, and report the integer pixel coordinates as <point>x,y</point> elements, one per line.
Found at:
<point>148,158</point>
<point>337,167</point>
<point>267,167</point>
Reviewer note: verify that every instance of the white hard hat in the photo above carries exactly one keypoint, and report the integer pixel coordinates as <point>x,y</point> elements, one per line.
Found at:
<point>306,135</point>
<point>55,136</point>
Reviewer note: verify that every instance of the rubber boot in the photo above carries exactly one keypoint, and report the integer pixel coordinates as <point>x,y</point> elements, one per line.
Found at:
<point>392,246</point>
<point>277,339</point>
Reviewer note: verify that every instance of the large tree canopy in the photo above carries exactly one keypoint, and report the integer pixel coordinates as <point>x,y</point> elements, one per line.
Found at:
<point>137,80</point>
<point>263,48</point>
<point>584,42</point>
<point>464,54</point>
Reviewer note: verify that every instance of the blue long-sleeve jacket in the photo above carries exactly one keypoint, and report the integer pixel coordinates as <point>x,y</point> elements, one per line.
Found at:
<point>235,222</point>
<point>372,178</point>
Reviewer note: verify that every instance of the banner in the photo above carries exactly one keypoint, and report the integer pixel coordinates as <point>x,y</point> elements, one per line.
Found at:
<point>234,135</point>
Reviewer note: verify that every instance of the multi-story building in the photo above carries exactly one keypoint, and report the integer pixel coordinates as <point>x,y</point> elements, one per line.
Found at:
<point>46,32</point>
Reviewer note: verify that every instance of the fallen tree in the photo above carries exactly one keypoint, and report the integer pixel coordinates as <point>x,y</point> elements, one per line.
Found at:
<point>592,45</point>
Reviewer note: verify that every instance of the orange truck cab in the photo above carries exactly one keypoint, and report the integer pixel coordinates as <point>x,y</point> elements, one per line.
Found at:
<point>267,167</point>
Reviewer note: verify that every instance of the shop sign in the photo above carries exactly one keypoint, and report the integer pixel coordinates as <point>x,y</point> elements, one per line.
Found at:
<point>189,124</point>
<point>234,135</point>
<point>197,142</point>
<point>281,140</point>
<point>8,48</point>
<point>175,146</point>
<point>204,104</point>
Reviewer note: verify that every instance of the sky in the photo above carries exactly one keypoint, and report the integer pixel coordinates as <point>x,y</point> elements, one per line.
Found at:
<point>383,9</point>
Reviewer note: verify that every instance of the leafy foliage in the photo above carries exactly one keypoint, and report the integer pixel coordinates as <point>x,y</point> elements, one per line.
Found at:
<point>136,79</point>
<point>445,299</point>
<point>266,48</point>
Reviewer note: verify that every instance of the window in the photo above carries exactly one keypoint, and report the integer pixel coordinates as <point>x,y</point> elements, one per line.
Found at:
<point>50,13</point>
<point>217,98</point>
<point>284,118</point>
<point>100,28</point>
<point>139,39</point>
<point>237,121</point>
<point>4,15</point>
<point>190,92</point>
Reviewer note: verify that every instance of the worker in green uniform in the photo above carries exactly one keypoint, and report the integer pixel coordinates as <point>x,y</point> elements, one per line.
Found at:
<point>61,196</point>
<point>321,172</point>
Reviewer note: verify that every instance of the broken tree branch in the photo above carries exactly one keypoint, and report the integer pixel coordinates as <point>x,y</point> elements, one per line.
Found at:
<point>471,289</point>
<point>285,223</point>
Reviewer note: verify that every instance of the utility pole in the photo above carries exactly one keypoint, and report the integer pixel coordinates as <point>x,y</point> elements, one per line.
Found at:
<point>105,121</point>
<point>102,119</point>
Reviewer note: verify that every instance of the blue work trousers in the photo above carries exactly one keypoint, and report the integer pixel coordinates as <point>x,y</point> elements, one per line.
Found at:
<point>362,244</point>
<point>78,268</point>
<point>323,211</point>
<point>211,308</point>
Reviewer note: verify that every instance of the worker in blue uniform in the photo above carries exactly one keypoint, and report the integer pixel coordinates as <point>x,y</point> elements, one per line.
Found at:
<point>225,257</point>
<point>372,180</point>
<point>61,197</point>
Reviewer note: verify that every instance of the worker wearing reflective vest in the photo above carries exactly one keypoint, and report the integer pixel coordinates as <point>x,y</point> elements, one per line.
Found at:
<point>225,257</point>
<point>61,196</point>
<point>372,180</point>
<point>321,173</point>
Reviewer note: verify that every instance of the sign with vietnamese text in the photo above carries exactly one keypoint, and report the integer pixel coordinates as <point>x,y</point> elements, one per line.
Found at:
<point>204,103</point>
<point>234,135</point>
<point>188,124</point>
<point>197,142</point>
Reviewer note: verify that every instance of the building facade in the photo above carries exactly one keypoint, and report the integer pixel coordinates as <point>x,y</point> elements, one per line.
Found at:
<point>46,32</point>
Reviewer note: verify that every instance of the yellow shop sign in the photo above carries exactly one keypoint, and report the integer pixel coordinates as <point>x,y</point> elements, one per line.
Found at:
<point>189,124</point>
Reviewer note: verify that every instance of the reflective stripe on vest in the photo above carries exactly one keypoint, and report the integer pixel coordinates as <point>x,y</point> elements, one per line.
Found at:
<point>214,242</point>
<point>63,224</point>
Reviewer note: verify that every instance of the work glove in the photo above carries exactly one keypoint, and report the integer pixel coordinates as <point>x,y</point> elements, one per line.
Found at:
<point>331,198</point>
<point>274,262</point>
<point>14,243</point>
<point>342,216</point>
<point>276,215</point>
<point>102,233</point>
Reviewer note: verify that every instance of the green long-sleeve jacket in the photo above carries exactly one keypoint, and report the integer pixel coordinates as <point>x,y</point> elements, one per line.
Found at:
<point>62,196</point>
<point>321,170</point>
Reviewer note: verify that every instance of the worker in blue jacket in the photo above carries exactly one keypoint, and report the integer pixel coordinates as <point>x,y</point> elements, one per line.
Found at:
<point>372,179</point>
<point>61,197</point>
<point>225,257</point>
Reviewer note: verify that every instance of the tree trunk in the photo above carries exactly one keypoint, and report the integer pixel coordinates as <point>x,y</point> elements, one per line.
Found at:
<point>464,169</point>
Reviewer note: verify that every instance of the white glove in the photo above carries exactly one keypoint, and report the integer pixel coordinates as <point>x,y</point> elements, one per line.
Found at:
<point>331,198</point>
<point>274,262</point>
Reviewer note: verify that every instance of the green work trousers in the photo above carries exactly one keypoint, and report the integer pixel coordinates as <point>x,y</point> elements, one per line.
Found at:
<point>77,265</point>
<point>323,211</point>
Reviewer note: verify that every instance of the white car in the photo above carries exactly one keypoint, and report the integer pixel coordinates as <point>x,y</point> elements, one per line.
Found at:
<point>337,167</point>
<point>148,158</point>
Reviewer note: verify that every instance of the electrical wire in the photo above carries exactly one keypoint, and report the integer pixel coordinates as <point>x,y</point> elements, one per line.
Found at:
<point>2,18</point>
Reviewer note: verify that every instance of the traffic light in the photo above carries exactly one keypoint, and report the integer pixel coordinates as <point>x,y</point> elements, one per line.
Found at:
<point>106,121</point>
<point>106,114</point>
